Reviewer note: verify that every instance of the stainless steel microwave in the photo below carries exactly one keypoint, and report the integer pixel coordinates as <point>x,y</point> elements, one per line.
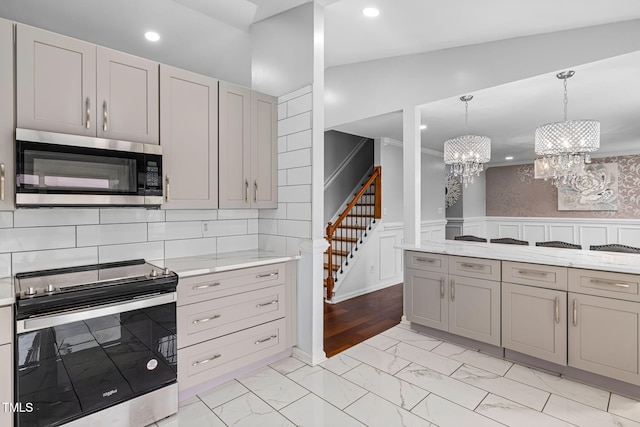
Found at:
<point>54,169</point>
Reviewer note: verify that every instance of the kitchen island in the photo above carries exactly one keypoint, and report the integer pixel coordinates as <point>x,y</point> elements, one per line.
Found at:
<point>573,312</point>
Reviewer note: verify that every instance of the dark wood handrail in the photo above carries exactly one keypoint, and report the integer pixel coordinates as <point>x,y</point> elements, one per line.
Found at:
<point>376,180</point>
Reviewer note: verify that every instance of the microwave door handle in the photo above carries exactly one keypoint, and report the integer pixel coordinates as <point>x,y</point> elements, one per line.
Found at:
<point>105,113</point>
<point>88,108</point>
<point>166,194</point>
<point>2,181</point>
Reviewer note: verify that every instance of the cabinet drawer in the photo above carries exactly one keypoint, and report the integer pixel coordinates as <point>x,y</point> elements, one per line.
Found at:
<point>479,268</point>
<point>211,359</point>
<point>604,283</point>
<point>217,285</point>
<point>6,325</point>
<point>427,261</point>
<point>211,319</point>
<point>542,276</point>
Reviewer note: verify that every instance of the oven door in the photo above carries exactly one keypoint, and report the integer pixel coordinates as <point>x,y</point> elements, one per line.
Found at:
<point>74,364</point>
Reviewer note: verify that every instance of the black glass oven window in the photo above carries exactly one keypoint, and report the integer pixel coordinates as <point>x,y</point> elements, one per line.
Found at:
<point>78,368</point>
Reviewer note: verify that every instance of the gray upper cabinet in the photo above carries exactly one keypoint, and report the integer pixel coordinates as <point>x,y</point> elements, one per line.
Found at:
<point>70,86</point>
<point>248,150</point>
<point>7,124</point>
<point>189,138</point>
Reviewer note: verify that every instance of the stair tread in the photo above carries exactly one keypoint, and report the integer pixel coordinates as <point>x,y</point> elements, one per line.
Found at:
<point>338,252</point>
<point>345,239</point>
<point>356,227</point>
<point>365,204</point>
<point>334,267</point>
<point>362,215</point>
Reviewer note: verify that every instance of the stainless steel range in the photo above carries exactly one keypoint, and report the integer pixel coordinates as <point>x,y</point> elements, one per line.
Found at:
<point>96,345</point>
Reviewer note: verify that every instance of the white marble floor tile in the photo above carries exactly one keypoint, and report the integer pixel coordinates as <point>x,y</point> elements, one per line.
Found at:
<point>189,401</point>
<point>327,385</point>
<point>625,407</point>
<point>223,393</point>
<point>374,411</point>
<point>311,411</point>
<point>584,415</point>
<point>249,411</point>
<point>561,386</point>
<point>425,358</point>
<point>379,359</point>
<point>473,358</point>
<point>505,387</point>
<point>513,414</point>
<point>273,387</point>
<point>340,363</point>
<point>287,365</point>
<point>381,342</point>
<point>195,414</point>
<point>403,334</point>
<point>395,390</point>
<point>444,413</point>
<point>442,385</point>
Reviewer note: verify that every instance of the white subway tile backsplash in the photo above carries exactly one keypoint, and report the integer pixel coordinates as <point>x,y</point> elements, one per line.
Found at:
<point>5,265</point>
<point>110,234</point>
<point>147,250</point>
<point>282,177</point>
<point>192,215</point>
<point>294,124</point>
<point>268,226</point>
<point>282,111</point>
<point>282,144</point>
<point>37,238</point>
<point>229,227</point>
<point>116,216</point>
<point>299,140</point>
<point>174,230</point>
<point>252,226</point>
<point>272,243</point>
<point>294,159</point>
<point>294,193</point>
<point>288,96</point>
<point>299,176</point>
<point>237,243</point>
<point>238,214</point>
<point>291,228</point>
<point>280,213</point>
<point>6,219</point>
<point>293,245</point>
<point>189,247</point>
<point>42,260</point>
<point>299,211</point>
<point>55,216</point>
<point>299,105</point>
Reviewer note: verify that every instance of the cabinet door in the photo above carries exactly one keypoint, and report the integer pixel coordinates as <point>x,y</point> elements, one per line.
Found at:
<point>235,142</point>
<point>6,385</point>
<point>534,322</point>
<point>7,135</point>
<point>603,336</point>
<point>264,151</point>
<point>56,82</point>
<point>127,93</point>
<point>426,298</point>
<point>189,138</point>
<point>474,308</point>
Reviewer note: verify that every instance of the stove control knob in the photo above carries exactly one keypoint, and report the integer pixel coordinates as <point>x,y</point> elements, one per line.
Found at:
<point>50,288</point>
<point>154,273</point>
<point>30,291</point>
<point>166,271</point>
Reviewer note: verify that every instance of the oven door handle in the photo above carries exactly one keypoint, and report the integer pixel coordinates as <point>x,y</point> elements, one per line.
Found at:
<point>37,323</point>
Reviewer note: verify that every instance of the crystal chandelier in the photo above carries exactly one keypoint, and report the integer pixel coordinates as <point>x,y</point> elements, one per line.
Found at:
<point>565,146</point>
<point>467,153</point>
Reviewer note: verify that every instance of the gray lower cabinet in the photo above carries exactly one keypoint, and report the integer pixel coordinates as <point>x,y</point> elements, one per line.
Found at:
<point>6,364</point>
<point>603,336</point>
<point>425,297</point>
<point>534,322</point>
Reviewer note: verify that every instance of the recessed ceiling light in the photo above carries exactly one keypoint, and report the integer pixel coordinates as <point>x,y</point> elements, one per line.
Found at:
<point>152,36</point>
<point>371,12</point>
<point>509,158</point>
<point>423,127</point>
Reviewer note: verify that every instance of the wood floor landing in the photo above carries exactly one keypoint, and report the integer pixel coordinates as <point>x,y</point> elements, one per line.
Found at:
<point>353,321</point>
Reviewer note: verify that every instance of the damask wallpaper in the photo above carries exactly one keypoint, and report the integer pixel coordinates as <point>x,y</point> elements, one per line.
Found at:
<point>512,191</point>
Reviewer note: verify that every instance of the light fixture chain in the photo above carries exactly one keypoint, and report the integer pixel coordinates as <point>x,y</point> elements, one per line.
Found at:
<point>566,101</point>
<point>466,116</point>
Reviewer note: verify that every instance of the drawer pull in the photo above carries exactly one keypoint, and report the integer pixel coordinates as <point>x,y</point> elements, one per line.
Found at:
<point>442,288</point>
<point>532,273</point>
<point>202,362</point>
<point>575,312</point>
<point>208,285</point>
<point>264,304</point>
<point>215,316</point>
<point>557,308</point>
<point>429,260</point>
<point>272,337</point>
<point>476,266</point>
<point>262,276</point>
<point>452,287</point>
<point>608,283</point>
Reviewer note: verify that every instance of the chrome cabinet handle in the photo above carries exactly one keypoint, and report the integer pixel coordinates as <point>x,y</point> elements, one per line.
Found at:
<point>202,362</point>
<point>255,196</point>
<point>272,337</point>
<point>452,287</point>
<point>215,316</point>
<point>261,276</point>
<point>2,182</point>
<point>476,266</point>
<point>88,108</point>
<point>575,312</point>
<point>264,304</point>
<point>532,273</point>
<point>608,283</point>
<point>166,194</point>
<point>105,116</point>
<point>429,260</point>
<point>442,288</point>
<point>246,191</point>
<point>557,308</point>
<point>208,285</point>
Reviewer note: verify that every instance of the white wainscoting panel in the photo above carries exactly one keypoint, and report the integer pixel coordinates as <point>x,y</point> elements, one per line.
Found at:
<point>629,236</point>
<point>564,233</point>
<point>509,230</point>
<point>593,235</point>
<point>387,253</point>
<point>533,233</point>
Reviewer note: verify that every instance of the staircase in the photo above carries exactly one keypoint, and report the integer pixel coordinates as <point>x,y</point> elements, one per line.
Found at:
<point>349,230</point>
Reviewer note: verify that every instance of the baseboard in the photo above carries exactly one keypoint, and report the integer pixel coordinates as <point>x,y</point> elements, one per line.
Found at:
<point>360,292</point>
<point>307,358</point>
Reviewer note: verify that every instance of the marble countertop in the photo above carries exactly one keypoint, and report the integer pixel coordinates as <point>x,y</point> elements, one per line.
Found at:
<point>7,294</point>
<point>592,260</point>
<point>205,264</point>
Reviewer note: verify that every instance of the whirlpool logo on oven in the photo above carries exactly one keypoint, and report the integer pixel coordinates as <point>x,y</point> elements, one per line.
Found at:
<point>110,392</point>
